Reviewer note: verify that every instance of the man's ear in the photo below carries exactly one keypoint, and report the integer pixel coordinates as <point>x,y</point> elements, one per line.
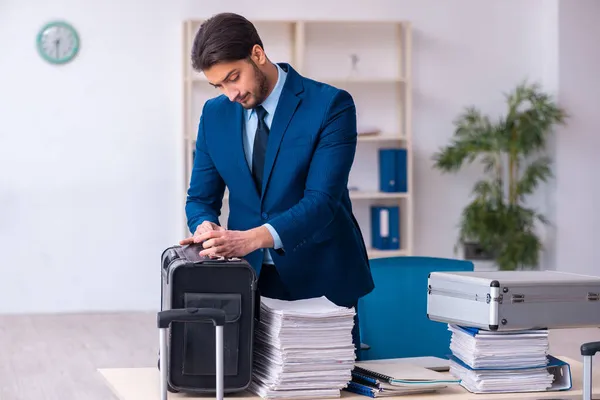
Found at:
<point>258,55</point>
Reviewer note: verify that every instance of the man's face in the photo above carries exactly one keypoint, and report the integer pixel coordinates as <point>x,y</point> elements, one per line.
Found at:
<point>241,81</point>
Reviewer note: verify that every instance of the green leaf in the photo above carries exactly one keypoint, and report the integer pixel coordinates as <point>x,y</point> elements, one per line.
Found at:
<point>474,135</point>
<point>536,172</point>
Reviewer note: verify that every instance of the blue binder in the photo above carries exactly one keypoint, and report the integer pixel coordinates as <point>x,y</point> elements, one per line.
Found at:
<point>385,227</point>
<point>393,175</point>
<point>560,369</point>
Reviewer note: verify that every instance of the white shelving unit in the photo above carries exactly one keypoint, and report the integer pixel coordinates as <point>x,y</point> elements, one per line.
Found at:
<point>379,80</point>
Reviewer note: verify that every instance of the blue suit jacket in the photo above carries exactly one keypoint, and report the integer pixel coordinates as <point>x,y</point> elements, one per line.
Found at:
<point>305,197</point>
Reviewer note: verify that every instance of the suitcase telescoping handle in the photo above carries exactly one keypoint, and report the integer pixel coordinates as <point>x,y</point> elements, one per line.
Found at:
<point>588,350</point>
<point>164,320</point>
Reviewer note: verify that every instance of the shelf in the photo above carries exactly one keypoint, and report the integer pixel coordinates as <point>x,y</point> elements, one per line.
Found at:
<point>375,253</point>
<point>381,138</point>
<point>368,195</point>
<point>361,195</point>
<point>197,77</point>
<point>361,138</point>
<point>284,21</point>
<point>363,80</point>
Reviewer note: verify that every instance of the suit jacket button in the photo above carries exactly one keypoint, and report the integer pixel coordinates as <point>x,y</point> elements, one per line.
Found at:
<point>265,215</point>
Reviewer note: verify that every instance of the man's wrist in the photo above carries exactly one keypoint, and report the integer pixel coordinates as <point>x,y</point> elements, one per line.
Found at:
<point>277,245</point>
<point>262,237</point>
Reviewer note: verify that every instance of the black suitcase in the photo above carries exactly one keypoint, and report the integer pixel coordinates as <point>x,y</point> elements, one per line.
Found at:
<point>588,350</point>
<point>206,322</point>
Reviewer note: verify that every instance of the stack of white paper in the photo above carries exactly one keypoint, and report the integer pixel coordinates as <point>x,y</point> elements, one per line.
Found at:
<point>507,380</point>
<point>302,349</point>
<point>485,349</point>
<point>487,361</point>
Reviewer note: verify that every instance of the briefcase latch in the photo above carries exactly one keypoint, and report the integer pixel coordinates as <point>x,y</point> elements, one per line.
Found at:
<point>497,299</point>
<point>518,298</point>
<point>593,296</point>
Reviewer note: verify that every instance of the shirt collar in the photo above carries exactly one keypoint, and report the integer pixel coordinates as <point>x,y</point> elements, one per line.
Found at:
<point>270,103</point>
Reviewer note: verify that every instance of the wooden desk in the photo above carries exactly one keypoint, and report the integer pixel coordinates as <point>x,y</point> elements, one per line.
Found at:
<point>143,384</point>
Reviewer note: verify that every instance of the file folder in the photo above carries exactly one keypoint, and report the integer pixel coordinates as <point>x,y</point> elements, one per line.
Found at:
<point>385,226</point>
<point>393,170</point>
<point>559,369</point>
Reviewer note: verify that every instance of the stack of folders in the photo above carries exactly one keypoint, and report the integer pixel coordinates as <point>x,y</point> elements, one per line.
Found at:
<point>303,349</point>
<point>517,361</point>
<point>383,379</point>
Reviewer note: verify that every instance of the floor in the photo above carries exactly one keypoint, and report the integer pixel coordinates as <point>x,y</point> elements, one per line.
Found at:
<point>50,357</point>
<point>55,357</point>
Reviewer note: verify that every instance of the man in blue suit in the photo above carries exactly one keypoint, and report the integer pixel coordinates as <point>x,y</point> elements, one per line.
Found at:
<point>283,145</point>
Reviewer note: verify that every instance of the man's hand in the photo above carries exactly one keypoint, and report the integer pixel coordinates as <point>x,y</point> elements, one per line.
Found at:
<point>228,243</point>
<point>204,227</point>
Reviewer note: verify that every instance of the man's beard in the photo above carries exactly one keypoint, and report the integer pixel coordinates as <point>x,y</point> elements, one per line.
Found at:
<point>262,86</point>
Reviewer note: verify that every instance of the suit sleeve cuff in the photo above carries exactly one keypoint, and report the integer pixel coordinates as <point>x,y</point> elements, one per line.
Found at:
<point>276,238</point>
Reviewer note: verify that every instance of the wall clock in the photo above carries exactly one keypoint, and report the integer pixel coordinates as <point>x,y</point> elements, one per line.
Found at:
<point>58,42</point>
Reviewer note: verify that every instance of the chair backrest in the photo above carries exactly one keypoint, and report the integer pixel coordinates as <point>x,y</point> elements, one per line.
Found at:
<point>393,318</point>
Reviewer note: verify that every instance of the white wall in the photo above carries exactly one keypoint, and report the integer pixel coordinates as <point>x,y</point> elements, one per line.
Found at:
<point>577,189</point>
<point>90,166</point>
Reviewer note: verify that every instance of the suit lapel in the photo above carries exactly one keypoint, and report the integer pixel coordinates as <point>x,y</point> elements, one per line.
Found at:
<point>286,107</point>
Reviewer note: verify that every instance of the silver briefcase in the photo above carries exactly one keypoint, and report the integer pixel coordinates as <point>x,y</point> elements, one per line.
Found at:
<point>514,300</point>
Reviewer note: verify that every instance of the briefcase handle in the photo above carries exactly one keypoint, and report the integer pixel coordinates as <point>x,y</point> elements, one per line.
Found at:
<point>588,350</point>
<point>191,252</point>
<point>166,317</point>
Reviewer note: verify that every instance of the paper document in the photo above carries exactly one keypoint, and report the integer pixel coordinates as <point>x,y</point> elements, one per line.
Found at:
<point>485,349</point>
<point>303,349</point>
<point>513,361</point>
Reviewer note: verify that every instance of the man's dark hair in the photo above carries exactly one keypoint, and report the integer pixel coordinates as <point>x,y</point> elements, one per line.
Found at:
<point>224,37</point>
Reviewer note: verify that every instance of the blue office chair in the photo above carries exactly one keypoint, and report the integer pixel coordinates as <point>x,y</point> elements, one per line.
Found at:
<point>393,318</point>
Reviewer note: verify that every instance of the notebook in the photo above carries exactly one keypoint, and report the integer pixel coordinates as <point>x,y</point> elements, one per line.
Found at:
<point>404,375</point>
<point>429,362</point>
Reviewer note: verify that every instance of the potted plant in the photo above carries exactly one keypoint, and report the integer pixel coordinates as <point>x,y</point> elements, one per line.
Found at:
<point>511,152</point>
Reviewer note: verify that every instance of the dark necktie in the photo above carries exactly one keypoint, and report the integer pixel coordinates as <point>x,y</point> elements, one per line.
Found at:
<point>260,148</point>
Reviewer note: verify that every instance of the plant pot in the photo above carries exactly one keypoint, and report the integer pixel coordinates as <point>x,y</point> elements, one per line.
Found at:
<point>472,251</point>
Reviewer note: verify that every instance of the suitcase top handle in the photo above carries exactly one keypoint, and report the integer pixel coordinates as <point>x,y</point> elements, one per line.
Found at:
<point>191,252</point>
<point>217,316</point>
<point>590,349</point>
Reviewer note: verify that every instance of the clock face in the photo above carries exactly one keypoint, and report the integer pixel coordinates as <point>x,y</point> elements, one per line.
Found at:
<point>58,42</point>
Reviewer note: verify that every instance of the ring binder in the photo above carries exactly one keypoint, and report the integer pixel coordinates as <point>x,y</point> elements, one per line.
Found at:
<point>393,170</point>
